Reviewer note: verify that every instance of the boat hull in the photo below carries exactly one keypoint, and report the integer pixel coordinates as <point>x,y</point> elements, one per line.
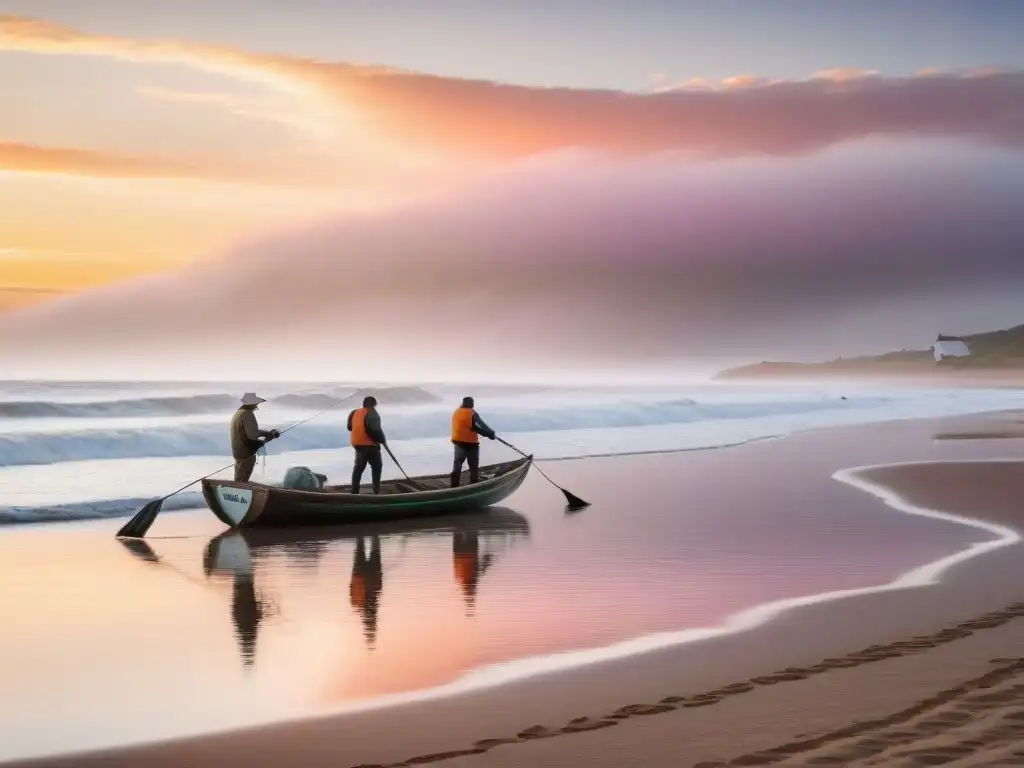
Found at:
<point>253,505</point>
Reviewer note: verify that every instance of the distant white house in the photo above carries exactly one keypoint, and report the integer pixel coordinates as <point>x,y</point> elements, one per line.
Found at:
<point>949,346</point>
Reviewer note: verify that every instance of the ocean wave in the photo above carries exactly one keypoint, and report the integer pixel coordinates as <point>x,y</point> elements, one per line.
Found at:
<point>183,405</point>
<point>93,510</point>
<point>28,448</point>
<point>385,396</point>
<point>142,406</point>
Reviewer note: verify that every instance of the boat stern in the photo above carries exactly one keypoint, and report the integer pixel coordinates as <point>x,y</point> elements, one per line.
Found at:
<point>235,504</point>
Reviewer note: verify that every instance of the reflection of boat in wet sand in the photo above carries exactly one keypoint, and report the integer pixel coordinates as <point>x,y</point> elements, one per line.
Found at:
<point>233,551</point>
<point>252,505</point>
<point>238,553</point>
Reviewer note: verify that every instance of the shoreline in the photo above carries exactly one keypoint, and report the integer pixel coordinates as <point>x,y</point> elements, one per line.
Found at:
<point>544,671</point>
<point>10,518</point>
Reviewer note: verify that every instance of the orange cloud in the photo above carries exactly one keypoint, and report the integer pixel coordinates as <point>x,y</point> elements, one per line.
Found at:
<point>18,297</point>
<point>497,121</point>
<point>845,74</point>
<point>283,170</point>
<point>745,81</point>
<point>20,33</point>
<point>247,108</point>
<point>83,162</point>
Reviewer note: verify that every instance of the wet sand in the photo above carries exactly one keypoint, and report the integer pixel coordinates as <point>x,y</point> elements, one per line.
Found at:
<point>809,684</point>
<point>1007,425</point>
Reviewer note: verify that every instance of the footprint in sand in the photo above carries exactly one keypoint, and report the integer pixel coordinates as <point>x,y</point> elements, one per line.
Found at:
<point>673,700</point>
<point>631,710</point>
<point>776,678</point>
<point>731,690</point>
<point>491,743</point>
<point>439,756</point>
<point>701,703</point>
<point>581,724</point>
<point>537,732</point>
<point>947,714</point>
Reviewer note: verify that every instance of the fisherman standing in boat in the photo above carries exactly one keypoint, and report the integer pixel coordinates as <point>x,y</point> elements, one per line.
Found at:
<point>367,438</point>
<point>245,436</point>
<point>467,426</point>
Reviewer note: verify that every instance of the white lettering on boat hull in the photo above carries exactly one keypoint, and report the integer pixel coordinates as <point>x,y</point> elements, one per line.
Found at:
<point>234,502</point>
<point>233,555</point>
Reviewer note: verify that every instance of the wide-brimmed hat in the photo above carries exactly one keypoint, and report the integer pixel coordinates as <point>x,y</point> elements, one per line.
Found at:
<point>249,398</point>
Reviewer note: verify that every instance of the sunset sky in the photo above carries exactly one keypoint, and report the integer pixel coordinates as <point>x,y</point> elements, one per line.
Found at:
<point>679,173</point>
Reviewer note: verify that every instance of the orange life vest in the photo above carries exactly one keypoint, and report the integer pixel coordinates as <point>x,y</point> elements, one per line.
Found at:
<point>465,566</point>
<point>462,426</point>
<point>359,434</point>
<point>357,592</point>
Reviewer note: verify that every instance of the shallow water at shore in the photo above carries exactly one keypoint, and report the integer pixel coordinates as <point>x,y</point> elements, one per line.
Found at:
<point>199,630</point>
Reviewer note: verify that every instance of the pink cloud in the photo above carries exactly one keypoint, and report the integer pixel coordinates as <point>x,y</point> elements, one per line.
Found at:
<point>748,116</point>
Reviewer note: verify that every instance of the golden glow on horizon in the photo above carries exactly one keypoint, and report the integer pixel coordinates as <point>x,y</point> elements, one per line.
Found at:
<point>73,218</point>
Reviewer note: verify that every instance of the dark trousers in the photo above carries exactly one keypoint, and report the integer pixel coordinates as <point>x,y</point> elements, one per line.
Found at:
<point>244,468</point>
<point>469,453</point>
<point>367,454</point>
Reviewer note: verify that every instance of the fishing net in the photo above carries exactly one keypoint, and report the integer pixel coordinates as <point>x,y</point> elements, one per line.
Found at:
<point>303,479</point>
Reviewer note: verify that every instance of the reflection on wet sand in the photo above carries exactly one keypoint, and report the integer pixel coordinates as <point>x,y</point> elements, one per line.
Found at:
<point>366,584</point>
<point>469,564</point>
<point>246,613</point>
<point>477,541</point>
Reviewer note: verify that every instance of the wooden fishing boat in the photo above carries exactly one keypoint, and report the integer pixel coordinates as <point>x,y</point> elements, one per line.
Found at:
<point>251,505</point>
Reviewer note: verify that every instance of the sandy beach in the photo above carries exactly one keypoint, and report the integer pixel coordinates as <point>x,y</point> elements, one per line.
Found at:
<point>926,670</point>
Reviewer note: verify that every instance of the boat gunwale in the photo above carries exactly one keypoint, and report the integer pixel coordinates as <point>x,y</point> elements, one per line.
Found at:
<point>515,468</point>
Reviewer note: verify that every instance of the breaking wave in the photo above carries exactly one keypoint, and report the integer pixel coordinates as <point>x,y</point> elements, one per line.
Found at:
<point>186,405</point>
<point>142,406</point>
<point>93,510</point>
<point>384,395</point>
<point>27,448</point>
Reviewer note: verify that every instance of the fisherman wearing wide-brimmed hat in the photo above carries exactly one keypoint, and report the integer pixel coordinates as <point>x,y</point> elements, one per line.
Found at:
<point>246,436</point>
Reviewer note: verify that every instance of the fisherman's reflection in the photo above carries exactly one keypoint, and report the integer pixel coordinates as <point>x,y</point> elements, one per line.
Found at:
<point>247,611</point>
<point>366,584</point>
<point>231,554</point>
<point>469,565</point>
<point>247,608</point>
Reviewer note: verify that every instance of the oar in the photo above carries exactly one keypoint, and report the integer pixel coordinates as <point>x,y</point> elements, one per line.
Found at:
<point>136,527</point>
<point>144,552</point>
<point>575,502</point>
<point>412,482</point>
